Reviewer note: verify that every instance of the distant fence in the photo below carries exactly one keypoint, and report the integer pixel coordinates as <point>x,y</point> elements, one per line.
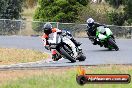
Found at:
<point>9,26</point>
<point>21,27</point>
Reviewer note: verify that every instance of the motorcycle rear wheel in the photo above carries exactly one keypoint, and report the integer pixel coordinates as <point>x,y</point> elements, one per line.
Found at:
<point>65,54</point>
<point>111,42</point>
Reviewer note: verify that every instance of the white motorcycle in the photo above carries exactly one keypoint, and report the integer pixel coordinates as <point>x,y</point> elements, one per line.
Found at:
<point>67,49</point>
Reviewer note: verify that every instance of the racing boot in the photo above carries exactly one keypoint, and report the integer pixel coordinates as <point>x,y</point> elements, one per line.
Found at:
<point>75,42</point>
<point>54,56</point>
<point>95,42</point>
<point>98,42</point>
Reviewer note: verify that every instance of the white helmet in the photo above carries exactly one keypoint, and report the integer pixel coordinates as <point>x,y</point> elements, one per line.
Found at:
<point>90,20</point>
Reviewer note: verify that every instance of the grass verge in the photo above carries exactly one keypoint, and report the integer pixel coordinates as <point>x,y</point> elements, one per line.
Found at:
<point>13,56</point>
<point>60,78</point>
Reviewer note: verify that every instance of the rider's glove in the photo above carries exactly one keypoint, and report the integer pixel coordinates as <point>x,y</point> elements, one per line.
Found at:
<point>47,47</point>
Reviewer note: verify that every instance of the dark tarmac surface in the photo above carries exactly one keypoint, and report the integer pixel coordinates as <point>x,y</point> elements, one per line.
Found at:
<point>95,54</point>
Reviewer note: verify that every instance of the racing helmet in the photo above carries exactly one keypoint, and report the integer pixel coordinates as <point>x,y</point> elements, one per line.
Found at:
<point>47,28</point>
<point>90,22</point>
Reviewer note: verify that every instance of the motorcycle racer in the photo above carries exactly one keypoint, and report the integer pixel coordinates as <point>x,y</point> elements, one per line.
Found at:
<point>92,28</point>
<point>50,36</point>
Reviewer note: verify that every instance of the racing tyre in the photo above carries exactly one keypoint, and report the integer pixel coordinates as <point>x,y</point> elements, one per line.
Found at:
<point>64,53</point>
<point>82,58</point>
<point>111,41</point>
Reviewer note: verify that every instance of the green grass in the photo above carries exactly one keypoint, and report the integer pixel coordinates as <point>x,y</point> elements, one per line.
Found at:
<point>66,78</point>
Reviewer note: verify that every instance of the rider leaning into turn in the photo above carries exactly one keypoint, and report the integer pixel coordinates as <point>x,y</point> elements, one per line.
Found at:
<point>50,32</point>
<point>92,28</point>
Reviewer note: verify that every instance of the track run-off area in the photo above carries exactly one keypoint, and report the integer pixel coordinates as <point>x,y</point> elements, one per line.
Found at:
<point>95,55</point>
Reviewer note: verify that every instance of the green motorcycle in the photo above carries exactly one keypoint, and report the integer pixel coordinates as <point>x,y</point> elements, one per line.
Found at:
<point>106,38</point>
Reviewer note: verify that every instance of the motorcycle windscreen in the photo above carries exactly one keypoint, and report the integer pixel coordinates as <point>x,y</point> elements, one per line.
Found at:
<point>101,29</point>
<point>54,38</point>
<point>108,32</point>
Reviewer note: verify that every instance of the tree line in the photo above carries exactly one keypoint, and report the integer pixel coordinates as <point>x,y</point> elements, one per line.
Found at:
<point>63,10</point>
<point>120,17</point>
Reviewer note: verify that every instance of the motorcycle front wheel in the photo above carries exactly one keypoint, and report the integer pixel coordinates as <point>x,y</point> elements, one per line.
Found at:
<point>81,58</point>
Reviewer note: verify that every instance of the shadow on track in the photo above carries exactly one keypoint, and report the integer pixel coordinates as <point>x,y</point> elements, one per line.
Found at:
<point>104,50</point>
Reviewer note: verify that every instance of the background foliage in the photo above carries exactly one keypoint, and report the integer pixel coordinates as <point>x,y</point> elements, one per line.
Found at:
<point>118,17</point>
<point>117,12</point>
<point>59,10</point>
<point>10,9</point>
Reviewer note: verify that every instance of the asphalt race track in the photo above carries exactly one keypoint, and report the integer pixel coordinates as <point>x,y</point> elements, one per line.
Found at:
<point>95,54</point>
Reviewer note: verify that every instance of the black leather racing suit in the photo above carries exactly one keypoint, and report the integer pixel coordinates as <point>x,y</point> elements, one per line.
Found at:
<point>91,31</point>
